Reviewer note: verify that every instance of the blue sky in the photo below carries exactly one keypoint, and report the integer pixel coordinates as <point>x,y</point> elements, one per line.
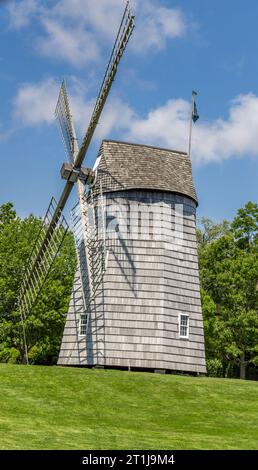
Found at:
<point>177,46</point>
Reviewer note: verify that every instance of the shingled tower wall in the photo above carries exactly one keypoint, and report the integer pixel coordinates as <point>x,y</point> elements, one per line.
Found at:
<point>152,276</point>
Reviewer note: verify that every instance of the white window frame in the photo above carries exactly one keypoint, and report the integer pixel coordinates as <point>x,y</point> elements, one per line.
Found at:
<point>180,315</point>
<point>81,324</point>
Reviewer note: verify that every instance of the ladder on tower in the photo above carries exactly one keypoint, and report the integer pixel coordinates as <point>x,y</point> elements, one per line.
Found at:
<point>89,232</point>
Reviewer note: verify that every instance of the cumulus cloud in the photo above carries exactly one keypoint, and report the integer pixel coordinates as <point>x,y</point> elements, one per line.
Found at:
<point>102,17</point>
<point>117,116</point>
<point>21,13</point>
<point>76,30</point>
<point>75,45</point>
<point>35,103</point>
<point>235,136</point>
<point>166,125</point>
<point>156,25</point>
<point>212,140</point>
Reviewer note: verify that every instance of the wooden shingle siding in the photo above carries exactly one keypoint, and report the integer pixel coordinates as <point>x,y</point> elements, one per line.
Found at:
<point>152,274</point>
<point>134,321</point>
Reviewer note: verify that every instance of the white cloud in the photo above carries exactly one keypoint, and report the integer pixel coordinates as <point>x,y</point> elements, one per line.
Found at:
<point>35,103</point>
<point>156,24</point>
<point>76,30</point>
<point>21,13</point>
<point>117,116</point>
<point>81,109</point>
<point>236,136</point>
<point>216,140</point>
<point>166,126</point>
<point>103,17</point>
<point>75,45</point>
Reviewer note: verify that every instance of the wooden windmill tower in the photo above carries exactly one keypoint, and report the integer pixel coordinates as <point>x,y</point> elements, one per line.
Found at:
<point>135,301</point>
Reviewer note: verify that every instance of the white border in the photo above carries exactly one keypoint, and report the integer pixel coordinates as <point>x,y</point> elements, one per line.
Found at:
<point>87,315</point>
<point>179,324</point>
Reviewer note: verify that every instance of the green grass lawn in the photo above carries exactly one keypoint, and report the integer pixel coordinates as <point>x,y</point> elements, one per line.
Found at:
<point>64,408</point>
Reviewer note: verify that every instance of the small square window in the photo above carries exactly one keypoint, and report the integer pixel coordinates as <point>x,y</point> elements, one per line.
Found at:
<point>83,324</point>
<point>183,325</point>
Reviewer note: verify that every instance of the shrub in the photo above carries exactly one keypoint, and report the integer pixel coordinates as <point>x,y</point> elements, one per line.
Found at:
<point>11,355</point>
<point>214,368</point>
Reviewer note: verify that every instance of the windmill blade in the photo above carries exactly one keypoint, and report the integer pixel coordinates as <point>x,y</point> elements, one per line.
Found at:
<point>80,242</point>
<point>64,117</point>
<point>123,36</point>
<point>41,260</point>
<point>54,226</point>
<point>54,213</point>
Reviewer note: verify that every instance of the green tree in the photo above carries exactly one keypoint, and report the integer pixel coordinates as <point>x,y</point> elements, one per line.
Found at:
<point>245,225</point>
<point>7,214</point>
<point>45,323</point>
<point>208,231</point>
<point>229,273</point>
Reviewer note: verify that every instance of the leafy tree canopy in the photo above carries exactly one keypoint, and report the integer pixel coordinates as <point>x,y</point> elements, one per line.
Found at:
<point>45,323</point>
<point>228,257</point>
<point>7,214</point>
<point>229,279</point>
<point>245,225</point>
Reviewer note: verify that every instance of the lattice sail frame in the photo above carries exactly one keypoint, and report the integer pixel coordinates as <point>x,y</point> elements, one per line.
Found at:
<point>89,234</point>
<point>54,226</point>
<point>123,36</point>
<point>78,229</point>
<point>41,261</point>
<point>64,117</point>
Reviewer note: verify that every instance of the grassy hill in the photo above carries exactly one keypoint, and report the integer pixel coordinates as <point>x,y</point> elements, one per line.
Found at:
<point>64,408</point>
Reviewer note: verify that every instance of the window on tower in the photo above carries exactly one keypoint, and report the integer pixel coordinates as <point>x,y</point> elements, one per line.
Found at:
<point>151,225</point>
<point>83,324</point>
<point>183,325</point>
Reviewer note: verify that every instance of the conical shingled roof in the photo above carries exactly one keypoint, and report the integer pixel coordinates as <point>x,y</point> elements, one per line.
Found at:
<point>124,166</point>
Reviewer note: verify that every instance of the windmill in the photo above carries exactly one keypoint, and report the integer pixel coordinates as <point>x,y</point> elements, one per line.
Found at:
<point>135,301</point>
<point>54,225</point>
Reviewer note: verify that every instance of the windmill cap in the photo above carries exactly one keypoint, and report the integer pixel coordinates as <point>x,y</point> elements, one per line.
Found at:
<point>124,166</point>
